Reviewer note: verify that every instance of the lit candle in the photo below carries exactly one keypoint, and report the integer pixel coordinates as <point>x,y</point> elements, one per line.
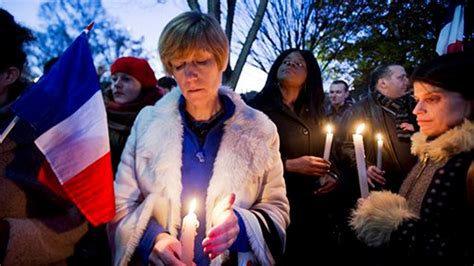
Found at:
<point>327,145</point>
<point>379,151</point>
<point>360,159</point>
<point>188,234</point>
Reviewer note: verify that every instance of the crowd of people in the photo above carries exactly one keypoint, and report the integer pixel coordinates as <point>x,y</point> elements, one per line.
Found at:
<point>255,167</point>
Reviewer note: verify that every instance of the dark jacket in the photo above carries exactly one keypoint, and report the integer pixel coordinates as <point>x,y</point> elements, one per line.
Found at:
<point>433,210</point>
<point>120,124</point>
<point>396,157</point>
<point>120,119</point>
<point>43,227</point>
<point>446,219</point>
<point>310,214</point>
<point>336,116</point>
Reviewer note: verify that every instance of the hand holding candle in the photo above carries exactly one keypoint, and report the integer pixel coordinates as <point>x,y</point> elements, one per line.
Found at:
<point>327,145</point>
<point>188,234</point>
<point>379,151</point>
<point>224,230</point>
<point>360,159</point>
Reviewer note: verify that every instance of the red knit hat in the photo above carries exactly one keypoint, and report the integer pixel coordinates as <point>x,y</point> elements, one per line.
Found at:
<point>137,68</point>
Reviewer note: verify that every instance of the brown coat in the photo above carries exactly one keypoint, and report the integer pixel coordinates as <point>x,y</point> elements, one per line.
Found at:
<point>43,227</point>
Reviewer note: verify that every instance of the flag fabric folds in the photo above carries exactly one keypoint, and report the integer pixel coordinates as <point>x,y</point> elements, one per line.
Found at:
<point>67,111</point>
<point>451,36</point>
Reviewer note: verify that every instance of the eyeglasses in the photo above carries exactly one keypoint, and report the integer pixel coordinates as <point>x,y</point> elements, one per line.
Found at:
<point>297,64</point>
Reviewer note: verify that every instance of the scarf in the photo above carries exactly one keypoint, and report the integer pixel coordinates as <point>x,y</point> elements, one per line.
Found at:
<point>149,96</point>
<point>433,155</point>
<point>400,108</point>
<point>121,116</point>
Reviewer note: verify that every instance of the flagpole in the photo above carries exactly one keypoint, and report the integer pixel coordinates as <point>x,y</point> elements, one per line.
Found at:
<point>89,27</point>
<point>8,129</point>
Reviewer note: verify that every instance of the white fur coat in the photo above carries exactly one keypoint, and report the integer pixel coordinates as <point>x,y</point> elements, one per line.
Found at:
<point>148,181</point>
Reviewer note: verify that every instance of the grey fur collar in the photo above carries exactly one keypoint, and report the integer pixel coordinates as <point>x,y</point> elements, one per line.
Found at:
<point>456,140</point>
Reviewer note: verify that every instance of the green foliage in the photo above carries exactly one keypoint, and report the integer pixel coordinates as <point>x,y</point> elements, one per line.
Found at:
<point>350,38</point>
<point>403,32</point>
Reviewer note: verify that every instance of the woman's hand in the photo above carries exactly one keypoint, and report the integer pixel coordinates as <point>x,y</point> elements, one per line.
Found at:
<point>374,174</point>
<point>308,165</point>
<point>167,250</point>
<point>225,230</point>
<point>328,184</point>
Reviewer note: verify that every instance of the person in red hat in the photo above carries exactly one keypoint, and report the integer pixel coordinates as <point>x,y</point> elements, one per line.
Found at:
<point>134,86</point>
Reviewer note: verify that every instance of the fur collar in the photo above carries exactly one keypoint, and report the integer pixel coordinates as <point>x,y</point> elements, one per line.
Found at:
<point>456,140</point>
<point>158,145</point>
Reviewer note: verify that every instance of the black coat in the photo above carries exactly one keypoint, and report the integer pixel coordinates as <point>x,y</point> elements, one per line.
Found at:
<point>396,156</point>
<point>310,214</point>
<point>446,219</point>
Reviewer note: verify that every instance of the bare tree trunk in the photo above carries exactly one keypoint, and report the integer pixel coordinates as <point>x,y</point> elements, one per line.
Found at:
<point>194,5</point>
<point>228,32</point>
<point>230,19</point>
<point>230,77</point>
<point>214,9</point>
<point>234,78</point>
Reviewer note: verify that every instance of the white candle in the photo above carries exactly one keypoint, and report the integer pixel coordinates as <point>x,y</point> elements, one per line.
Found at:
<point>327,145</point>
<point>379,151</point>
<point>188,234</point>
<point>360,159</point>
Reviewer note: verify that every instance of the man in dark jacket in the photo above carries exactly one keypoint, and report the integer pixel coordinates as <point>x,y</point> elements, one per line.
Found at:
<point>340,102</point>
<point>387,110</point>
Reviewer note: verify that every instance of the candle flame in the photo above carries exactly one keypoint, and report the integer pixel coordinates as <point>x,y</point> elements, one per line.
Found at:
<point>329,128</point>
<point>192,206</point>
<point>379,136</point>
<point>360,128</point>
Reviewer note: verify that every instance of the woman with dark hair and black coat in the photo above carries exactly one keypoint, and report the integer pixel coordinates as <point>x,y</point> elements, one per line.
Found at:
<point>293,99</point>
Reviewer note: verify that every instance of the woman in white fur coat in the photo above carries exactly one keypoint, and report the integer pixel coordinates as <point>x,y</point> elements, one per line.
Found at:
<point>432,216</point>
<point>201,142</point>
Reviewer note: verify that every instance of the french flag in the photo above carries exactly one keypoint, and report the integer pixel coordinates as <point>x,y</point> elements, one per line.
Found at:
<point>67,111</point>
<point>451,36</point>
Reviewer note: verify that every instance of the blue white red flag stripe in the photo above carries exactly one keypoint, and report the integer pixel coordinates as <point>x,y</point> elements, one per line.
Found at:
<point>71,151</point>
<point>451,36</point>
<point>93,196</point>
<point>61,92</point>
<point>67,111</point>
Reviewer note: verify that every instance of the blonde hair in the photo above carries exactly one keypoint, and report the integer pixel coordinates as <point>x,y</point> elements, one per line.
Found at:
<point>191,32</point>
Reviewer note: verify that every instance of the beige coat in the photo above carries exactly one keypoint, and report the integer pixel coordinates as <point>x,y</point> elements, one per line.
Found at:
<point>148,181</point>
